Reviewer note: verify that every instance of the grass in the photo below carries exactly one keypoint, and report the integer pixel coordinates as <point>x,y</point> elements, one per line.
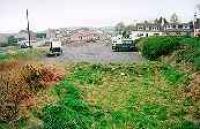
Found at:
<point>129,96</point>
<point>116,96</point>
<point>27,54</point>
<point>150,95</point>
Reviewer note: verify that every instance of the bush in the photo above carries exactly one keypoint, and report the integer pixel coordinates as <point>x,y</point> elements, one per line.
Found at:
<point>188,49</point>
<point>39,76</point>
<point>154,47</point>
<point>190,52</point>
<point>19,84</point>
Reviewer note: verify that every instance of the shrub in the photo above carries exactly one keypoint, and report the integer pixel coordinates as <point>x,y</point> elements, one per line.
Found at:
<point>40,76</point>
<point>190,52</point>
<point>19,85</point>
<point>154,47</point>
<point>188,49</point>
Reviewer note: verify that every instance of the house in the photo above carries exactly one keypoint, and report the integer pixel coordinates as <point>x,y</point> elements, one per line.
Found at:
<point>167,29</point>
<point>178,29</point>
<point>196,25</point>
<point>84,35</point>
<point>147,29</point>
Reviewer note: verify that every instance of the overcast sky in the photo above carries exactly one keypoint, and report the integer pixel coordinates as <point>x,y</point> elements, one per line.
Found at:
<point>64,13</point>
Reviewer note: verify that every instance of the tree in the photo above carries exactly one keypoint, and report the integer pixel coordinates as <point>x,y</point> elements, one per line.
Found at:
<point>160,20</point>
<point>126,33</point>
<point>174,18</point>
<point>12,40</point>
<point>130,27</point>
<point>120,27</point>
<point>41,35</point>
<point>198,7</point>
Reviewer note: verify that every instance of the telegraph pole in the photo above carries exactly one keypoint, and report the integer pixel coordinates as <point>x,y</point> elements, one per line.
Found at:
<point>28,29</point>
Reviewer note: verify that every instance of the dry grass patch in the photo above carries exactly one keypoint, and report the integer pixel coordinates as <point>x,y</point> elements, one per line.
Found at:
<point>21,83</point>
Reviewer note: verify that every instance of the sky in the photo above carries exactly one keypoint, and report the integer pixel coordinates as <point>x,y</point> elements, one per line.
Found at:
<point>44,14</point>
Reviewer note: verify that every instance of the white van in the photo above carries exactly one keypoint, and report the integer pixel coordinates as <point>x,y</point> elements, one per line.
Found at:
<point>56,47</point>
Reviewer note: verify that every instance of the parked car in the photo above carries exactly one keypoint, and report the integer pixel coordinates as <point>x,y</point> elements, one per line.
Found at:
<point>123,44</point>
<point>55,47</point>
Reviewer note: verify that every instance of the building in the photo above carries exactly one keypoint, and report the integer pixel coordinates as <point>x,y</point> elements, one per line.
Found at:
<point>178,29</point>
<point>196,24</point>
<point>85,35</point>
<point>147,29</point>
<point>167,29</point>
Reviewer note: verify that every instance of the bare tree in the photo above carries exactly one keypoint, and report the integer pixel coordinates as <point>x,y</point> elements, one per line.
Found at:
<point>198,7</point>
<point>120,27</point>
<point>174,18</point>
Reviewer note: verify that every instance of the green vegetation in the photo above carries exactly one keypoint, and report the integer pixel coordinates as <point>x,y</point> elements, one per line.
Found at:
<point>12,41</point>
<point>129,96</point>
<point>70,111</point>
<point>187,49</point>
<point>154,47</point>
<point>41,35</point>
<point>83,74</point>
<point>149,95</point>
<point>27,54</point>
<point>190,51</point>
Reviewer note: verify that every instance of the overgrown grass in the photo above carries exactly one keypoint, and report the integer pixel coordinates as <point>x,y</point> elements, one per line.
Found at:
<point>119,96</point>
<point>129,96</point>
<point>27,54</point>
<point>70,112</point>
<point>190,52</point>
<point>85,75</point>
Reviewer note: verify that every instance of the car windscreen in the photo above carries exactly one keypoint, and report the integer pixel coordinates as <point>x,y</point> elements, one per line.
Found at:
<point>127,41</point>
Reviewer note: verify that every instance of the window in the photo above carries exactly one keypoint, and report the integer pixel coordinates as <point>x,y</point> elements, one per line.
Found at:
<point>140,28</point>
<point>186,27</point>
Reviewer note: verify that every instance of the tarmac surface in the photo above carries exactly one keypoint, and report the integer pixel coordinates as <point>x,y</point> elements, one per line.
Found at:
<point>96,53</point>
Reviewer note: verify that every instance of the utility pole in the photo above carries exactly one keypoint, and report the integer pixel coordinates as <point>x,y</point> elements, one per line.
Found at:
<point>28,29</point>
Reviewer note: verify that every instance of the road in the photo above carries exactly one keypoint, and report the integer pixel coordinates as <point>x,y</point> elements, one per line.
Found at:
<point>95,52</point>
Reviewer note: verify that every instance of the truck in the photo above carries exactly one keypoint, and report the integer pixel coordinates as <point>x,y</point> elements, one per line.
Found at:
<point>55,47</point>
<point>123,44</point>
